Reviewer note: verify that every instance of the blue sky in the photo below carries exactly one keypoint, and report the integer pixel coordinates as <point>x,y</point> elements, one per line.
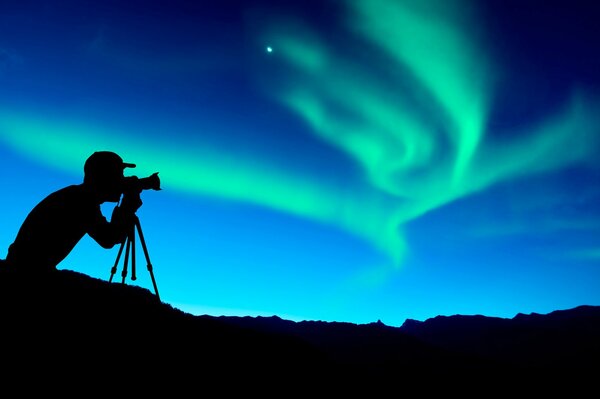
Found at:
<point>386,160</point>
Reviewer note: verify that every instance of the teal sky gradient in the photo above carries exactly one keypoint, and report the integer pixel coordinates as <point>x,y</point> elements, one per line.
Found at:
<point>386,160</point>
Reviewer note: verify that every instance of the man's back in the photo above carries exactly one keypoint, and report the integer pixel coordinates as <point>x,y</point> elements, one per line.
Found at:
<point>53,228</point>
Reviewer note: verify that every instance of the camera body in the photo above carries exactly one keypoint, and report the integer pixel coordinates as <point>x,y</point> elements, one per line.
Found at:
<point>135,185</point>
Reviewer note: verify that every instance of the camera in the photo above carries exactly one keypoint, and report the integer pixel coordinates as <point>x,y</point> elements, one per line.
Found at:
<point>135,185</point>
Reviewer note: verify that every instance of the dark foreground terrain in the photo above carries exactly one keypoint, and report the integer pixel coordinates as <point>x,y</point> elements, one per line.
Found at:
<point>71,330</point>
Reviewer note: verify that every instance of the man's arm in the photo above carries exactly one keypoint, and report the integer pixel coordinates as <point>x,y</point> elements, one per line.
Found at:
<point>107,234</point>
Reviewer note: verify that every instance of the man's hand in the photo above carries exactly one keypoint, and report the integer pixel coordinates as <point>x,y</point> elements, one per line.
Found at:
<point>131,202</point>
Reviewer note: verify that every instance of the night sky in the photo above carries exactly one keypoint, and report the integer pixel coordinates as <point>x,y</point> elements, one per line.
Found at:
<point>347,161</point>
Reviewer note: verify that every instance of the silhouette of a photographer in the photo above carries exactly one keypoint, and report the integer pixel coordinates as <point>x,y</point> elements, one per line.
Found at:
<point>59,221</point>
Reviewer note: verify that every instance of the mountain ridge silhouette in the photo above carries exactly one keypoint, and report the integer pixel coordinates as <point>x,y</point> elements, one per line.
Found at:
<point>91,325</point>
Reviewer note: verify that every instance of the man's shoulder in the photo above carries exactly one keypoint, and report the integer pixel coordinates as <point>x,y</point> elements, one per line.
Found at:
<point>75,196</point>
<point>75,188</point>
<point>72,191</point>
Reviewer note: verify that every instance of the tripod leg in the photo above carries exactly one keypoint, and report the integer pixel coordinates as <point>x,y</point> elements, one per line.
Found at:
<point>128,245</point>
<point>113,270</point>
<point>133,276</point>
<point>149,265</point>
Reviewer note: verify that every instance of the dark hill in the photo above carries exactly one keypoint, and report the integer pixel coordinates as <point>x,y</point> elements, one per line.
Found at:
<point>70,327</point>
<point>560,339</point>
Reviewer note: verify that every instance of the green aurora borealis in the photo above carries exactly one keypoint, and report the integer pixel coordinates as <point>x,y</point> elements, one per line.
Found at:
<point>405,94</point>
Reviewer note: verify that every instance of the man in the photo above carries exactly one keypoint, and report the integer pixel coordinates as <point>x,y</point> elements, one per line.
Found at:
<point>58,222</point>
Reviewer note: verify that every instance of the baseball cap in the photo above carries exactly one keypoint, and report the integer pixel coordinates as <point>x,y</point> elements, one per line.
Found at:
<point>104,163</point>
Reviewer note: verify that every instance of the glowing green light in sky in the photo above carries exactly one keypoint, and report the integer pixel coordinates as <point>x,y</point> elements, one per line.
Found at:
<point>417,153</point>
<point>207,171</point>
<point>425,151</point>
<point>438,43</point>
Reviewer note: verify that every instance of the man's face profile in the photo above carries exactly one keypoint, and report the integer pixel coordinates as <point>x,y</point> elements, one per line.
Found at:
<point>103,171</point>
<point>110,187</point>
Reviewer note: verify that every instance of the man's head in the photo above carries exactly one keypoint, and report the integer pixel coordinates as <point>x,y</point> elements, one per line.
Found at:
<point>103,171</point>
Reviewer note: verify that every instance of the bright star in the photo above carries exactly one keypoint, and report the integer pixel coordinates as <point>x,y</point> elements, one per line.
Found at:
<point>269,49</point>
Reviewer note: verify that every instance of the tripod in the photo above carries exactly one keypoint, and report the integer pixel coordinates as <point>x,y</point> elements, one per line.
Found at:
<point>129,244</point>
